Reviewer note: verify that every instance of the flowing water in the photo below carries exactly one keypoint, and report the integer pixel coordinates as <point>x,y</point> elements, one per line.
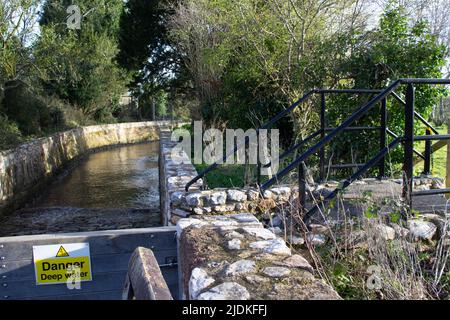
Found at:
<point>121,177</point>
<point>113,189</point>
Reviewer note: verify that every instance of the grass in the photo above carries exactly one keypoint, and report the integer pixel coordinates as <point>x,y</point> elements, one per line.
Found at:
<point>225,176</point>
<point>438,159</point>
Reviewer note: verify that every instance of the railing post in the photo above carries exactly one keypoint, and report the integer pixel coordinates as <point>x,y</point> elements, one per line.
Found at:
<point>447,180</point>
<point>258,161</point>
<point>322,135</point>
<point>301,189</point>
<point>383,137</point>
<point>409,145</point>
<point>427,165</point>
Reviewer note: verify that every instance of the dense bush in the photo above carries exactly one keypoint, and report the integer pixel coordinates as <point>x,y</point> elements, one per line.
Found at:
<point>249,60</point>
<point>59,78</point>
<point>396,50</point>
<point>10,135</point>
<point>79,66</point>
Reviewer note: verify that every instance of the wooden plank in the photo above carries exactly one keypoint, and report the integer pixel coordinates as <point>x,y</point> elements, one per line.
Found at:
<point>20,248</point>
<point>110,253</point>
<point>104,295</point>
<point>27,289</point>
<point>19,290</point>
<point>40,237</point>
<point>127,292</point>
<point>144,280</point>
<point>174,290</point>
<point>24,269</point>
<point>429,204</point>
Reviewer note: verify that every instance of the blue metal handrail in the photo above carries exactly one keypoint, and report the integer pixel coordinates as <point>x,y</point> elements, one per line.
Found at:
<point>326,138</point>
<point>275,119</point>
<point>237,147</point>
<point>407,139</point>
<point>355,116</point>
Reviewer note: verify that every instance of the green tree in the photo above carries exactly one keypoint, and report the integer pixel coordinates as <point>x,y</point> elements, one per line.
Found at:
<point>144,46</point>
<point>147,51</point>
<point>250,59</point>
<point>397,49</point>
<point>17,22</point>
<point>79,66</point>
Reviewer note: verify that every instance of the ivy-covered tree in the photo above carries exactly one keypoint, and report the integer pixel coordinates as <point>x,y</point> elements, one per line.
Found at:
<point>79,65</point>
<point>145,49</point>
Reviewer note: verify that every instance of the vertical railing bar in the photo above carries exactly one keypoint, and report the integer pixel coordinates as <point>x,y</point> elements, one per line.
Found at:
<point>301,189</point>
<point>409,146</point>
<point>258,174</point>
<point>383,137</point>
<point>322,135</point>
<point>427,162</point>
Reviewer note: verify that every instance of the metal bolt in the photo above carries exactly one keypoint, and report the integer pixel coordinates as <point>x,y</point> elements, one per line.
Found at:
<point>4,277</point>
<point>152,236</point>
<point>4,285</point>
<point>152,247</point>
<point>1,246</point>
<point>2,258</point>
<point>3,266</point>
<point>5,297</point>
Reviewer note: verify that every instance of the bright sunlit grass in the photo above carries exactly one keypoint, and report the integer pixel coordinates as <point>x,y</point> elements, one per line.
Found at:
<point>438,159</point>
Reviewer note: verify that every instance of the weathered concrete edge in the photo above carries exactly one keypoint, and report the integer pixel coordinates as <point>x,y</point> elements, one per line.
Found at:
<point>105,233</point>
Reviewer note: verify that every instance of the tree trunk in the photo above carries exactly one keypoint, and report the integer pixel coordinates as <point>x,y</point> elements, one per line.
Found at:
<point>153,110</point>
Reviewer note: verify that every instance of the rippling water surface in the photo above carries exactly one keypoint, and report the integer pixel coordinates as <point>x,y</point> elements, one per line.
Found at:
<point>117,178</point>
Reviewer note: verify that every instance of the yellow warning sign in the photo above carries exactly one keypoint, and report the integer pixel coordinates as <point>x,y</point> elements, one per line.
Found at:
<point>68,263</point>
<point>62,252</point>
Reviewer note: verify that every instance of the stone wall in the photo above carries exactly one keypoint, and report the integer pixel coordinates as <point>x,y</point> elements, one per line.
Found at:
<point>176,203</point>
<point>172,177</point>
<point>233,257</point>
<point>28,167</point>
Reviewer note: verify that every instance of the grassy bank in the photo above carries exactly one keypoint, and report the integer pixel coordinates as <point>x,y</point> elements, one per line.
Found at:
<point>438,159</point>
<point>226,176</point>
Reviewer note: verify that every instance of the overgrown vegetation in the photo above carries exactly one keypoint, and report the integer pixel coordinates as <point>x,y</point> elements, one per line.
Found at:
<point>361,261</point>
<point>57,78</point>
<point>250,59</point>
<point>232,63</point>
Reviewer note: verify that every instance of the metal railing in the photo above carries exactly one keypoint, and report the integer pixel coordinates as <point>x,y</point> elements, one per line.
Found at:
<point>407,139</point>
<point>328,134</point>
<point>322,131</point>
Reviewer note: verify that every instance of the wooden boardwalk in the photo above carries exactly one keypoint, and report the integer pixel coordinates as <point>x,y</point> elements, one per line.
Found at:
<point>110,255</point>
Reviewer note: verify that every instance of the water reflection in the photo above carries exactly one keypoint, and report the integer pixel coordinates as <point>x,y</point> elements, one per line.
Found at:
<point>117,178</point>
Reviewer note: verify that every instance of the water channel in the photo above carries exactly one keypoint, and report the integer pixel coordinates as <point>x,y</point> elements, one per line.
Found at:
<point>113,189</point>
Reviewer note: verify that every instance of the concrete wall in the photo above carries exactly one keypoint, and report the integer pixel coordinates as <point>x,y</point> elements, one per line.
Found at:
<point>30,166</point>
